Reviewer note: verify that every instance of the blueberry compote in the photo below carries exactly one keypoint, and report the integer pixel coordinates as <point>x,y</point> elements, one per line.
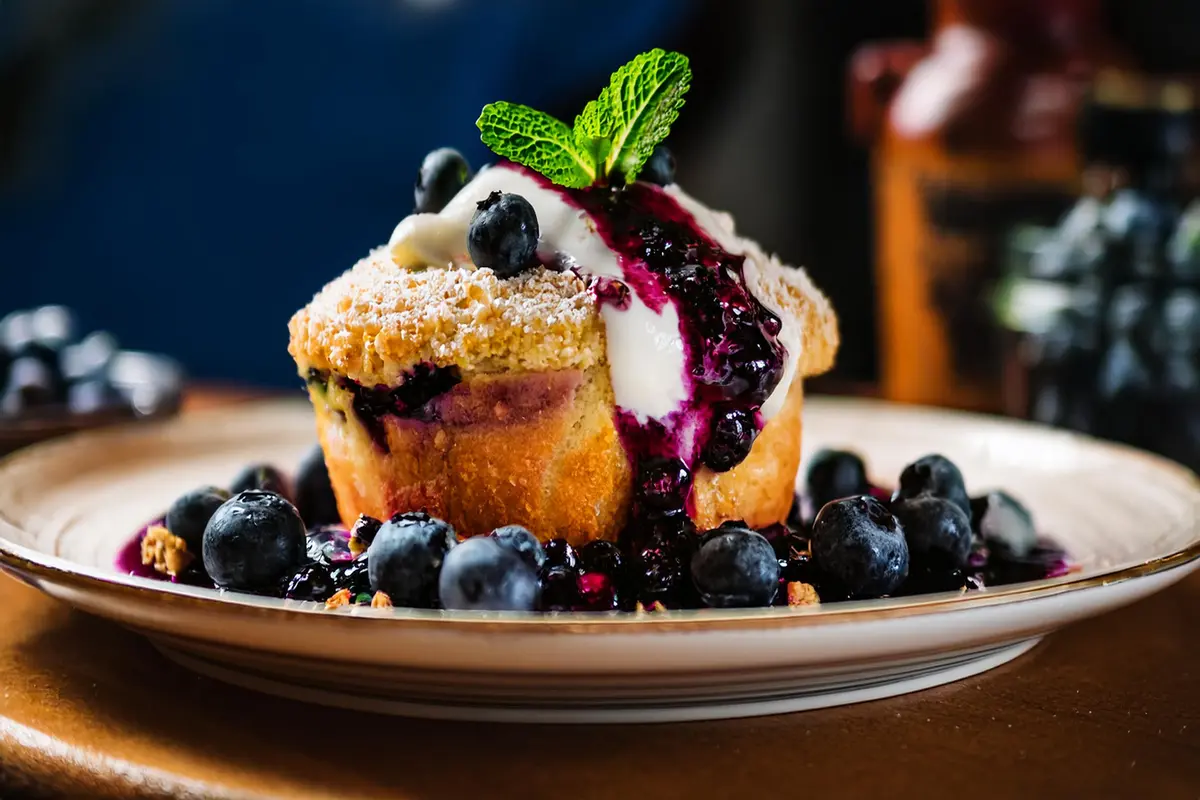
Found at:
<point>412,399</point>
<point>732,354</point>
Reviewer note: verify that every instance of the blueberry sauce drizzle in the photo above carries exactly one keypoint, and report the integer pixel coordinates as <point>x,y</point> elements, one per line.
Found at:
<point>732,353</point>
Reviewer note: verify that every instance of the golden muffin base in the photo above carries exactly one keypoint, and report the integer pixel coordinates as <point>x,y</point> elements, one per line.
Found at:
<point>534,449</point>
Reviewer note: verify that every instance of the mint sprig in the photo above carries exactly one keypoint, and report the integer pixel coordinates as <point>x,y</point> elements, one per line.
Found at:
<point>613,135</point>
<point>538,141</point>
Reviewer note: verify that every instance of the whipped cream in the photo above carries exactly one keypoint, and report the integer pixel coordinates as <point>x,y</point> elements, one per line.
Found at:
<point>645,348</point>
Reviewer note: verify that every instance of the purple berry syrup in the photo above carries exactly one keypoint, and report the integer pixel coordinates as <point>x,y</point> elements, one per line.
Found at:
<point>129,562</point>
<point>733,357</point>
<point>129,559</point>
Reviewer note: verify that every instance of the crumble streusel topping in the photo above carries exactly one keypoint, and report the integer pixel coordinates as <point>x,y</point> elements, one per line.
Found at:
<point>378,320</point>
<point>802,594</point>
<point>164,551</point>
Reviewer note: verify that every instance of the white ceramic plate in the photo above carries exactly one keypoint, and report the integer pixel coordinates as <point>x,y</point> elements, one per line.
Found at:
<point>1129,519</point>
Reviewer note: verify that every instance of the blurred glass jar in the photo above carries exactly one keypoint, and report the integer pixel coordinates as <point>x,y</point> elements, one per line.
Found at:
<point>1105,306</point>
<point>970,133</point>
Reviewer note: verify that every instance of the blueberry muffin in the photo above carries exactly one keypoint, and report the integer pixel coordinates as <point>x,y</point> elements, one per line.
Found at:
<point>626,355</point>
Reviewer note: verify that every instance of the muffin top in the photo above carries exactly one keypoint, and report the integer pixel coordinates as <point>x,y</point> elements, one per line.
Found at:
<point>376,321</point>
<point>422,299</point>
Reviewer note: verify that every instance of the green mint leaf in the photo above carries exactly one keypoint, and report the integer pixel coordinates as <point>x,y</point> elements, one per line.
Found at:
<point>593,129</point>
<point>538,141</point>
<point>644,98</point>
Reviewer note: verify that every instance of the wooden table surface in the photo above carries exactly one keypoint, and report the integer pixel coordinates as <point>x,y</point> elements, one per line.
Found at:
<point>1107,708</point>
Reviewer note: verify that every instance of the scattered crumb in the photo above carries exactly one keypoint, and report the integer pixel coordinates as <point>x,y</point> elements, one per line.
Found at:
<point>166,551</point>
<point>802,594</point>
<point>381,600</point>
<point>340,598</point>
<point>655,606</point>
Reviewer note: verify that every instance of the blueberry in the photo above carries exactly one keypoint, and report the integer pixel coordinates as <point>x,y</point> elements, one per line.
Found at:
<point>94,394</point>
<point>363,532</point>
<point>30,385</point>
<point>353,575</point>
<point>52,326</point>
<point>834,474</point>
<point>314,494</point>
<point>503,234</point>
<point>405,559</point>
<point>188,516</point>
<point>598,592</point>
<point>560,554</point>
<point>1005,525</point>
<point>329,544</point>
<point>483,575</point>
<point>858,544</point>
<point>755,371</point>
<point>1069,336</point>
<point>601,556</point>
<point>522,542</point>
<point>736,569</point>
<point>560,589</point>
<point>660,570</point>
<point>15,330</point>
<point>1131,311</point>
<point>18,335</point>
<point>253,540</point>
<point>659,168</point>
<point>732,435</point>
<point>310,582</point>
<point>263,477</point>
<point>935,475</point>
<point>727,525</point>
<point>937,531</point>
<point>1125,372</point>
<point>1181,322</point>
<point>663,483</point>
<point>444,173</point>
<point>90,358</point>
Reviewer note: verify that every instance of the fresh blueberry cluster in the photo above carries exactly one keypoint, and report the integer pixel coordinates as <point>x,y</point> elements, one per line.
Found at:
<point>928,536</point>
<point>44,370</point>
<point>1120,355</point>
<point>846,540</point>
<point>258,534</point>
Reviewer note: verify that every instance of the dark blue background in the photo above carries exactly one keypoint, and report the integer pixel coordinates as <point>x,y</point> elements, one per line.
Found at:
<point>193,176</point>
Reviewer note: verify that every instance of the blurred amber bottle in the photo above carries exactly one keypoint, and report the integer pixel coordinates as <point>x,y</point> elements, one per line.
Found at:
<point>970,132</point>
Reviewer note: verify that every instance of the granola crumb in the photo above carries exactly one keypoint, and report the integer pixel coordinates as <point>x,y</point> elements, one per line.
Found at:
<point>802,594</point>
<point>654,607</point>
<point>166,551</point>
<point>381,600</point>
<point>340,598</point>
